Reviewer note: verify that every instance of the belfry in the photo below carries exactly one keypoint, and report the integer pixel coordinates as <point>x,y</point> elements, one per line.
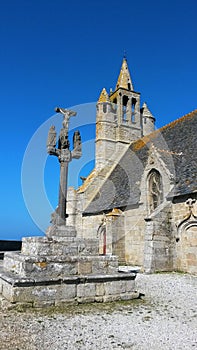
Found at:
<point>120,120</point>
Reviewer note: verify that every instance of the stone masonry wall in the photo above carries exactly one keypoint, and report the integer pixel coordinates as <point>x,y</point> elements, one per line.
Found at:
<point>134,236</point>
<point>185,252</point>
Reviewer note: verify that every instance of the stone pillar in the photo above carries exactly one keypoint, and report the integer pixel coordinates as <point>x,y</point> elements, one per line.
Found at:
<point>137,113</point>
<point>149,246</point>
<point>62,193</point>
<point>120,109</point>
<point>71,206</point>
<point>64,155</point>
<point>116,234</point>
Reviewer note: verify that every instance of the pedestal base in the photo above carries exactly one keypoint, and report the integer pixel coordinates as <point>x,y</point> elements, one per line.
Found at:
<point>62,268</point>
<point>75,289</point>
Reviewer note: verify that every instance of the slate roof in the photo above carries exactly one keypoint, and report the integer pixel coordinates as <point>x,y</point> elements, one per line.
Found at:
<point>176,144</point>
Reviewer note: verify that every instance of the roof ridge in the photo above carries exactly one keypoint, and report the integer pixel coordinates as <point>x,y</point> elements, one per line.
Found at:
<point>145,139</point>
<point>174,122</point>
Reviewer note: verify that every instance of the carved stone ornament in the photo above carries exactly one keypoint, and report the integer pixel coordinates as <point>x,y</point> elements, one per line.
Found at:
<point>190,204</point>
<point>51,140</point>
<point>190,220</point>
<point>64,155</point>
<point>155,189</point>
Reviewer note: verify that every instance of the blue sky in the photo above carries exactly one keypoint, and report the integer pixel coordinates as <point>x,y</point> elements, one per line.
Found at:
<point>62,53</point>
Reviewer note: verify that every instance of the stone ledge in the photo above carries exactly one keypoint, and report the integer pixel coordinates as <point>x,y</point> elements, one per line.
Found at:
<point>80,289</point>
<point>16,281</point>
<point>60,258</point>
<point>55,266</point>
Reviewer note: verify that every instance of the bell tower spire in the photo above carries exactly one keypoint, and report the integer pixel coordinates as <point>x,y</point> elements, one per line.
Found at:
<point>124,79</point>
<point>127,101</point>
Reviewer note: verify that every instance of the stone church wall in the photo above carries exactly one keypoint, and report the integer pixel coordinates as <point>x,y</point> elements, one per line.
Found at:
<point>134,236</point>
<point>185,219</point>
<point>159,241</point>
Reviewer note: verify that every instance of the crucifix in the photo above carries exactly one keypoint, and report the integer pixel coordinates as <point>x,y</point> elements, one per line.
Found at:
<point>64,155</point>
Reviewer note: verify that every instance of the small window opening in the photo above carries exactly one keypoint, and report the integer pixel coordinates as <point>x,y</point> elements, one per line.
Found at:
<point>125,107</point>
<point>114,105</point>
<point>104,108</point>
<point>133,103</point>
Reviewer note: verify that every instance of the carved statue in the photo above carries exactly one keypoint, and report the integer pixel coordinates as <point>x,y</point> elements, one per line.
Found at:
<point>101,234</point>
<point>77,141</point>
<point>51,140</point>
<point>155,190</point>
<point>67,114</point>
<point>63,141</point>
<point>64,155</point>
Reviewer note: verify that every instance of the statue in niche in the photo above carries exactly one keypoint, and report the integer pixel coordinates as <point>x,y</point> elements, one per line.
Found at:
<point>155,190</point>
<point>63,142</point>
<point>101,234</point>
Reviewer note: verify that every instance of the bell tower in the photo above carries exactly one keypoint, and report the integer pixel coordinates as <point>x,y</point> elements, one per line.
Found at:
<point>119,119</point>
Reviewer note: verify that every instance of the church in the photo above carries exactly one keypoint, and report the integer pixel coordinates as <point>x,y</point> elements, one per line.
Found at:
<point>136,210</point>
<point>140,199</point>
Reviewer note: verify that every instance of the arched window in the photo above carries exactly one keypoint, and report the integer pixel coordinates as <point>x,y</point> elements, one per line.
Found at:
<point>155,189</point>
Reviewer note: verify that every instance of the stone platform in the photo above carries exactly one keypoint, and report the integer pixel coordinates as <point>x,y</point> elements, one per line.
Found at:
<point>63,268</point>
<point>69,289</point>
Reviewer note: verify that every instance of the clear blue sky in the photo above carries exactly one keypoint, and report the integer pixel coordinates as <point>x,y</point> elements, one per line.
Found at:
<point>59,52</point>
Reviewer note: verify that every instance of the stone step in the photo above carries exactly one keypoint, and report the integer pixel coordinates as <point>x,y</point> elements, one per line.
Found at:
<point>59,245</point>
<point>58,265</point>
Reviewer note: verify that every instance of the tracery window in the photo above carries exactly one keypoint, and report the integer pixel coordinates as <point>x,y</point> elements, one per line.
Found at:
<point>155,189</point>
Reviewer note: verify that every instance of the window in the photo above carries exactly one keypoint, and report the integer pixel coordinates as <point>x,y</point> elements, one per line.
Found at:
<point>104,107</point>
<point>133,103</point>
<point>125,106</point>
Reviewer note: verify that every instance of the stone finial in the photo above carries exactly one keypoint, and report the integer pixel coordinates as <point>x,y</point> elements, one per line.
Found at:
<point>146,111</point>
<point>124,79</point>
<point>190,203</point>
<point>104,97</point>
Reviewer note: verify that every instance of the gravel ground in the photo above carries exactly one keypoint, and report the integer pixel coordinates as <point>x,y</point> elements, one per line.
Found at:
<point>166,318</point>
